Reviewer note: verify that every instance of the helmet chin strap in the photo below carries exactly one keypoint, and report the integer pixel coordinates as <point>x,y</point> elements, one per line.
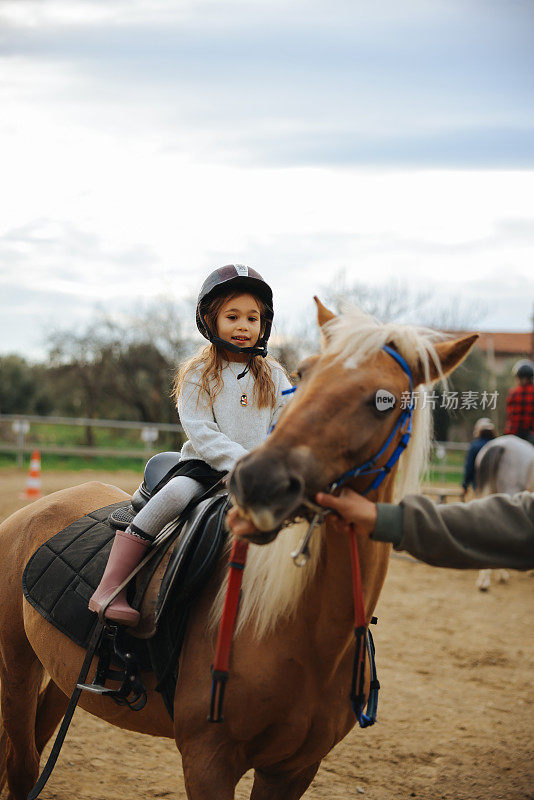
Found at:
<point>256,350</point>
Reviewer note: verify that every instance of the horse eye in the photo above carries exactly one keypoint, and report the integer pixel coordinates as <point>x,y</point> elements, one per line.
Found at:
<point>304,368</point>
<point>383,402</point>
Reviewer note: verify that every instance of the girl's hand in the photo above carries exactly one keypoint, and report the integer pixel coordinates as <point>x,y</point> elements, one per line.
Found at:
<point>353,509</point>
<point>239,525</point>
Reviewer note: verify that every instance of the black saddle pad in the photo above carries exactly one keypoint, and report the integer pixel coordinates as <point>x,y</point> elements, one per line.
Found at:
<point>63,573</point>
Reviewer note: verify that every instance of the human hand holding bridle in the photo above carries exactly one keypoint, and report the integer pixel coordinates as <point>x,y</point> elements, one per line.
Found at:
<point>354,512</point>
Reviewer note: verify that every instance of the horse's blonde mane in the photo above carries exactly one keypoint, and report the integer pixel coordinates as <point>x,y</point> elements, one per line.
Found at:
<point>272,585</point>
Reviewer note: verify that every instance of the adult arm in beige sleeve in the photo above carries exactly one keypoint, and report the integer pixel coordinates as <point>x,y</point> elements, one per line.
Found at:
<point>496,531</point>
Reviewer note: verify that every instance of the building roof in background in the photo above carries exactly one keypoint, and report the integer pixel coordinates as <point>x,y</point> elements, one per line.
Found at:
<point>503,343</point>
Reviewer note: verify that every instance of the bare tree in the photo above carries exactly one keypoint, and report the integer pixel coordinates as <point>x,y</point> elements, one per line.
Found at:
<point>82,360</point>
<point>453,314</point>
<point>122,365</point>
<point>395,301</point>
<point>400,301</point>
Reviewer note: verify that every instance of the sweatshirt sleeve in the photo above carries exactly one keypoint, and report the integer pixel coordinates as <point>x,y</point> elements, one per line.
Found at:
<point>496,531</point>
<point>281,384</point>
<point>198,422</point>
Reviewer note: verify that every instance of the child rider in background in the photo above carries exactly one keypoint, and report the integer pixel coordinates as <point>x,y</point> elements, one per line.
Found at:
<point>228,396</point>
<point>483,431</point>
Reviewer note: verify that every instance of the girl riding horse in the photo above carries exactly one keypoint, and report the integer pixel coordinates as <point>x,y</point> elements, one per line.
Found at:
<point>228,397</point>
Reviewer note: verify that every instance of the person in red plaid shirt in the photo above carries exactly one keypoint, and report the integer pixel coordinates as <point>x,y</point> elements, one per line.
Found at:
<point>520,403</point>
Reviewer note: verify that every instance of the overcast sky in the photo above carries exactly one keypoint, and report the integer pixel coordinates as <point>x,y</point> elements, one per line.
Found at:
<point>142,144</point>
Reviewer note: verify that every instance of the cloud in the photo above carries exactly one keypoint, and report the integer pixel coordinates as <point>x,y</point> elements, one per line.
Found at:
<point>507,296</point>
<point>30,315</point>
<point>277,84</point>
<point>58,258</point>
<point>150,142</point>
<point>50,286</point>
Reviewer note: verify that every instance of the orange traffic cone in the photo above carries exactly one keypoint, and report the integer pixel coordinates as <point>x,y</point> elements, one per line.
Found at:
<point>33,481</point>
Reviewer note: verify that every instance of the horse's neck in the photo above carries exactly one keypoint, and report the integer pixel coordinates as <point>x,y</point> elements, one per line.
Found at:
<point>332,587</point>
<point>329,607</point>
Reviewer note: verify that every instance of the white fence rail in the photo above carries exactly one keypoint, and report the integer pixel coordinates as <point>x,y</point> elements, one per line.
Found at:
<point>21,427</point>
<point>16,436</point>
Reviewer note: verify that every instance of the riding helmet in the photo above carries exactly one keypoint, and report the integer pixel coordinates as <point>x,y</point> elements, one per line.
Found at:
<point>229,279</point>
<point>524,369</point>
<point>483,424</point>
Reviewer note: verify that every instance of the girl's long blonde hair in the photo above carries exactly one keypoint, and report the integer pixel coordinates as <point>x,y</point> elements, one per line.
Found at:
<point>210,360</point>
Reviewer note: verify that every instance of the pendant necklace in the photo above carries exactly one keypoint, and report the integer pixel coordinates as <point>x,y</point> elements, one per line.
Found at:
<point>243,399</point>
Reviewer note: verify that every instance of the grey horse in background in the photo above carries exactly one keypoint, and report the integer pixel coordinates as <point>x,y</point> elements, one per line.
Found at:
<point>505,465</point>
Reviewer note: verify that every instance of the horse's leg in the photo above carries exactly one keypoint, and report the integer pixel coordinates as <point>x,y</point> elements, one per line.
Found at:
<point>290,787</point>
<point>50,709</point>
<point>210,773</point>
<point>484,580</point>
<point>503,576</point>
<point>19,695</point>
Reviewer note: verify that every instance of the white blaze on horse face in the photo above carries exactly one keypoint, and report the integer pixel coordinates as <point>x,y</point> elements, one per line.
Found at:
<point>350,363</point>
<point>301,453</point>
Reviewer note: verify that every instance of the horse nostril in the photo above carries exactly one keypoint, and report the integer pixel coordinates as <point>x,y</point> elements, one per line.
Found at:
<point>295,486</point>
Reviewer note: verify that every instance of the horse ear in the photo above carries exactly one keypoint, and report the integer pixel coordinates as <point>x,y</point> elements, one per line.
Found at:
<point>450,353</point>
<point>323,313</point>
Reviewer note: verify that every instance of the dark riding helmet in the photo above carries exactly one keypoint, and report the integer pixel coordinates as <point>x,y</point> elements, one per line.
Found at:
<point>524,369</point>
<point>229,279</point>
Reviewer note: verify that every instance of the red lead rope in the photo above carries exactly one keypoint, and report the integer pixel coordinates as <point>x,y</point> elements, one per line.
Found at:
<point>357,590</point>
<point>363,642</point>
<point>221,663</point>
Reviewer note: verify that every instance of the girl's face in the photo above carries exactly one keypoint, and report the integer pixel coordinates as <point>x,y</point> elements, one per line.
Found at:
<point>239,320</point>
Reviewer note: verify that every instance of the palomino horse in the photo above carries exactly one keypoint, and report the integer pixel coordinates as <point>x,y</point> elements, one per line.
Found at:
<point>287,701</point>
<point>505,465</point>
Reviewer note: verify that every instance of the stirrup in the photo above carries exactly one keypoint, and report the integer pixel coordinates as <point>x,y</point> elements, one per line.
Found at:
<point>122,517</point>
<point>132,691</point>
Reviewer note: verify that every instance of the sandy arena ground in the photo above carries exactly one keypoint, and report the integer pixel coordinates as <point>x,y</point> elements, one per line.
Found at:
<point>456,708</point>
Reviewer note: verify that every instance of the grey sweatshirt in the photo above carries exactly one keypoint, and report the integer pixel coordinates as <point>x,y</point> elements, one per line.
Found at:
<point>221,430</point>
<point>497,531</point>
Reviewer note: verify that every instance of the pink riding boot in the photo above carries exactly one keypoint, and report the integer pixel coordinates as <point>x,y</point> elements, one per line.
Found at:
<point>126,553</point>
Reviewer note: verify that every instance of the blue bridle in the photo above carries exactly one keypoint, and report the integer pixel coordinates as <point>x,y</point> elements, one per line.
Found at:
<point>403,424</point>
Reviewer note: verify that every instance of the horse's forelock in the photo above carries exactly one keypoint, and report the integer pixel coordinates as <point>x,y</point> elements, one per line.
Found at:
<point>357,336</point>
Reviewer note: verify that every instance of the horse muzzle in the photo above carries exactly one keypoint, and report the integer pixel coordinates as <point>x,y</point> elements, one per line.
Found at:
<point>268,489</point>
